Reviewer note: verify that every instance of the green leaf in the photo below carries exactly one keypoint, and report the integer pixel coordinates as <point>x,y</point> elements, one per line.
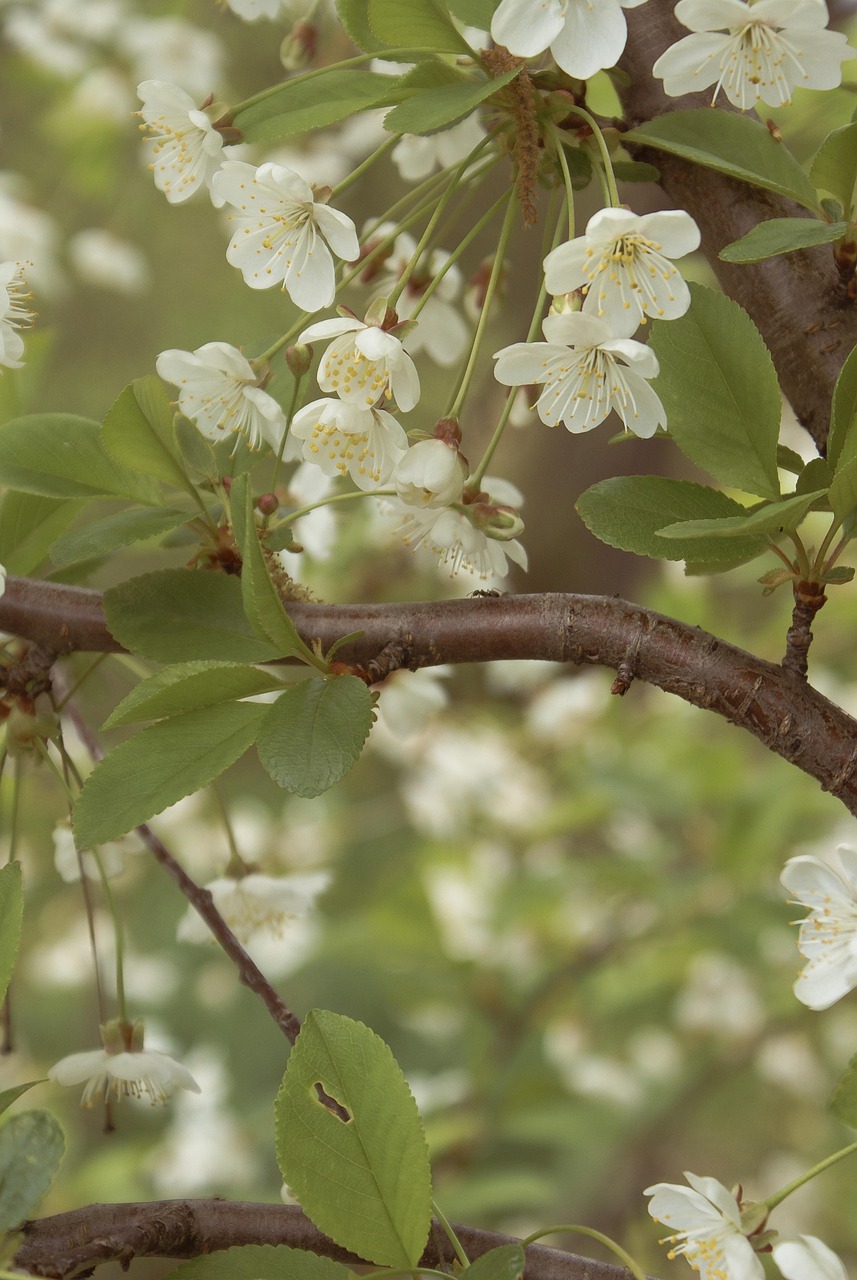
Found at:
<point>815,475</point>
<point>11,914</point>
<point>196,452</point>
<point>366,1182</point>
<point>506,1262</point>
<point>435,109</point>
<point>732,144</point>
<point>122,529</point>
<point>474,13</point>
<point>354,16</point>
<point>635,171</point>
<point>188,686</point>
<point>28,526</point>
<point>416,24</point>
<point>60,455</point>
<point>308,103</point>
<point>789,460</point>
<point>262,605</point>
<point>843,1100</point>
<point>138,431</point>
<point>31,1148</point>
<point>782,235</point>
<point>8,1096</point>
<point>843,490</point>
<point>720,392</point>
<point>834,168</point>
<point>314,732</point>
<point>628,511</point>
<point>181,615</point>
<point>261,1262</point>
<point>842,439</point>
<point>769,521</point>
<point>161,765</point>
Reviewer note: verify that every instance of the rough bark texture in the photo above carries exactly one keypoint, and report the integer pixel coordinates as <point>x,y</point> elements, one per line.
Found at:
<point>797,301</point>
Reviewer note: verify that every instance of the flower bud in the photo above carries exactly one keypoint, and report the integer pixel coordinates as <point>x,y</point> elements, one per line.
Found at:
<point>431,474</point>
<point>27,723</point>
<point>501,523</point>
<point>299,359</point>
<point>298,48</point>
<point>268,504</point>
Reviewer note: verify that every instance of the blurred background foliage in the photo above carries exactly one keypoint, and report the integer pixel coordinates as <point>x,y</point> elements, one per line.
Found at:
<point>560,909</point>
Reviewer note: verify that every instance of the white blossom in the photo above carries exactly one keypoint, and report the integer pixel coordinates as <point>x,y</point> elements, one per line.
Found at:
<point>459,543</point>
<point>416,155</point>
<point>364,363</point>
<point>101,258</point>
<point>583,37</point>
<point>346,439</point>
<point>284,232</point>
<point>173,50</point>
<point>587,372</point>
<point>68,862</point>
<point>14,314</point>
<point>763,50</point>
<point>410,698</point>
<point>219,390</point>
<point>708,1230</point>
<point>430,474</point>
<point>808,1259</point>
<point>622,263</point>
<point>185,149</point>
<point>828,935</point>
<point>256,903</point>
<point>135,1074</point>
<point>441,331</point>
<point>29,235</point>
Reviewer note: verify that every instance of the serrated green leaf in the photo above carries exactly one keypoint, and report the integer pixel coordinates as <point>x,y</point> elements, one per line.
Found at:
<point>365,1183</point>
<point>314,732</point>
<point>842,437</point>
<point>160,765</point>
<point>628,511</point>
<point>474,13</point>
<point>260,1262</point>
<point>834,168</point>
<point>720,392</point>
<point>789,459</point>
<point>188,686</point>
<point>31,1148</point>
<point>8,1096</point>
<point>843,1100</point>
<point>436,109</point>
<point>308,102</point>
<point>839,574</point>
<point>843,490</point>
<point>138,431</point>
<point>416,24</point>
<point>506,1262</point>
<point>635,171</point>
<point>60,455</point>
<point>196,452</point>
<point>732,144</point>
<point>772,519</point>
<point>261,602</point>
<point>815,475</point>
<point>11,914</point>
<point>782,235</point>
<point>122,529</point>
<point>183,615</point>
<point>354,16</point>
<point>28,526</point>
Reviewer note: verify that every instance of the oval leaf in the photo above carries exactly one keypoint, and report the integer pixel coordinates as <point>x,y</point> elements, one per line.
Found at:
<point>834,168</point>
<point>842,440</point>
<point>138,431</point>
<point>181,615</point>
<point>843,489</point>
<point>782,235</point>
<point>628,511</point>
<point>188,686</point>
<point>438,108</point>
<point>314,732</point>
<point>60,455</point>
<point>720,392</point>
<point>308,102</point>
<point>769,521</point>
<point>8,1096</point>
<point>416,24</point>
<point>122,529</point>
<point>843,1100</point>
<point>260,1262</point>
<point>11,913</point>
<point>31,1148</point>
<point>28,526</point>
<point>732,144</point>
<point>366,1181</point>
<point>161,765</point>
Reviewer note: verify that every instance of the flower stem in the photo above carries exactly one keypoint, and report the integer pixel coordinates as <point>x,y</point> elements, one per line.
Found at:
<point>779,1196</point>
<point>625,1257</point>
<point>566,177</point>
<point>237,867</point>
<point>493,283</point>
<point>364,165</point>
<point>612,191</point>
<point>456,254</point>
<point>338,497</point>
<point>450,1234</point>
<point>293,404</point>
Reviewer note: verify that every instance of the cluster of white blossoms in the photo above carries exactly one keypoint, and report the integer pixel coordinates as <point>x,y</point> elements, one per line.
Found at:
<point>14,313</point>
<point>589,364</point>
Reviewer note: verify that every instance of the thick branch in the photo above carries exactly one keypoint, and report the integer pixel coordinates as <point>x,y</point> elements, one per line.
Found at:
<point>797,301</point>
<point>68,1243</point>
<point>787,715</point>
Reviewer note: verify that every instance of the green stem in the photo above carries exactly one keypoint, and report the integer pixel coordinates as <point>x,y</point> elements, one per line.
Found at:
<point>366,164</point>
<point>450,1234</point>
<point>237,866</point>
<point>493,283</point>
<point>118,933</point>
<point>607,164</point>
<point>818,564</point>
<point>779,1196</point>
<point>566,177</point>
<point>14,824</point>
<point>293,404</point>
<point>456,254</point>
<point>338,497</point>
<point>625,1257</point>
<point>802,557</point>
<point>93,666</point>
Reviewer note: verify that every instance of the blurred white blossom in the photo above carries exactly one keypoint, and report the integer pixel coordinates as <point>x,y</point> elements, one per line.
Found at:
<point>101,258</point>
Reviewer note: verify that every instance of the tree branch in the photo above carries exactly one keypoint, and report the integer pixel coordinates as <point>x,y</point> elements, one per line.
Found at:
<point>797,301</point>
<point>779,708</point>
<point>77,1242</point>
